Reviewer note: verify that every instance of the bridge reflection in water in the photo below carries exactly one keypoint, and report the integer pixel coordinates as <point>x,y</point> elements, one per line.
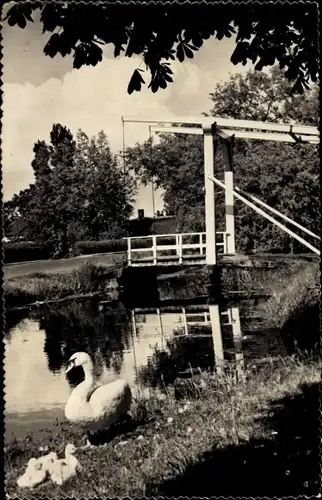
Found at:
<point>200,321</point>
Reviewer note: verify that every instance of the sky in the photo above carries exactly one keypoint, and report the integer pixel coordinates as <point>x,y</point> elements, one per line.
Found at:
<point>39,91</point>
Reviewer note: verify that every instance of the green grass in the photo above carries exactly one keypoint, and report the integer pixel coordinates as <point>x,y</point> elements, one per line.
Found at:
<point>228,417</point>
<point>40,286</point>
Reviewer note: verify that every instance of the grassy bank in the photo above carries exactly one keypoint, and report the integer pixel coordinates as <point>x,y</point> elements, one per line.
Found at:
<point>40,286</point>
<point>257,438</point>
<point>294,308</point>
<point>293,293</point>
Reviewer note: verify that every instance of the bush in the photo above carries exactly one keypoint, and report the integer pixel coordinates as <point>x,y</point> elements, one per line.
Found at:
<point>103,246</point>
<point>22,251</point>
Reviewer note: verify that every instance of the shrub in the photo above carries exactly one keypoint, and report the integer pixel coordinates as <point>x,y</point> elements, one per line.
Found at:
<point>103,246</point>
<point>22,251</point>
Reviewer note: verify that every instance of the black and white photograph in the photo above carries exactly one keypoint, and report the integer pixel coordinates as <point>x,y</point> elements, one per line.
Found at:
<point>161,242</point>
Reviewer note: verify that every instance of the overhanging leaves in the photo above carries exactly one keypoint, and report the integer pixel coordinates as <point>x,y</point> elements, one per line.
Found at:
<point>135,82</point>
<point>265,34</point>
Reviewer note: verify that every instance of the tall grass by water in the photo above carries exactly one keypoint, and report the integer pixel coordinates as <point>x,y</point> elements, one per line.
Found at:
<point>293,293</point>
<point>88,278</point>
<point>256,437</point>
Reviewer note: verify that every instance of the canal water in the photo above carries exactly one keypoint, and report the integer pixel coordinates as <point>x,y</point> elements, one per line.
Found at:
<point>148,350</point>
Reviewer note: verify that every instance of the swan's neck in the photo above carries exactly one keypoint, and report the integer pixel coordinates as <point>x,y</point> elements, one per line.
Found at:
<point>84,388</point>
<point>89,378</point>
<point>78,407</point>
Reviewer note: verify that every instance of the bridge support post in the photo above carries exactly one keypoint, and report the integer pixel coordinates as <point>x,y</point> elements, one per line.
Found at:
<point>129,251</point>
<point>161,327</point>
<point>185,322</point>
<point>210,214</point>
<point>237,336</point>
<point>230,247</point>
<point>154,249</point>
<point>216,336</point>
<point>211,250</point>
<point>133,323</point>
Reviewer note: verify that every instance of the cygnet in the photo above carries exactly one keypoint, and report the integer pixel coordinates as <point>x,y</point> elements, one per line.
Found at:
<point>61,470</point>
<point>47,460</point>
<point>33,475</point>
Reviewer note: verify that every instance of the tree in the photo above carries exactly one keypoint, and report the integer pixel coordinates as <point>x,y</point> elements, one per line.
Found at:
<point>109,188</point>
<point>264,97</point>
<point>286,176</point>
<point>176,166</point>
<point>265,34</point>
<point>48,205</point>
<point>9,214</point>
<point>40,163</point>
<point>80,191</point>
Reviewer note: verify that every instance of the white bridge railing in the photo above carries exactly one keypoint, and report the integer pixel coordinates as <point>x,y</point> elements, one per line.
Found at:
<point>171,247</point>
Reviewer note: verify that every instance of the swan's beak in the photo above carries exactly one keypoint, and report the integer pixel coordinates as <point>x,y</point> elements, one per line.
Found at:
<point>69,367</point>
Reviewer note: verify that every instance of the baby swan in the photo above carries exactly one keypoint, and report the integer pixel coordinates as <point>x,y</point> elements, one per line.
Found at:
<point>34,474</point>
<point>61,470</point>
<point>48,459</point>
<point>36,471</point>
<point>93,406</point>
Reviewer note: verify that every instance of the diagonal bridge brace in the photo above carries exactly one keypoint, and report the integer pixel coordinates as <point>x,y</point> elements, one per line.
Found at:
<point>264,214</point>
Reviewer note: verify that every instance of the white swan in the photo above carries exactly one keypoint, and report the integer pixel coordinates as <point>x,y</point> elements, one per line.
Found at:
<point>61,470</point>
<point>92,406</point>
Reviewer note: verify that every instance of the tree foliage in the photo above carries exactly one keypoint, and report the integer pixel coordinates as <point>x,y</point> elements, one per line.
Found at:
<point>286,176</point>
<point>110,190</point>
<point>265,34</point>
<point>80,191</point>
<point>264,97</point>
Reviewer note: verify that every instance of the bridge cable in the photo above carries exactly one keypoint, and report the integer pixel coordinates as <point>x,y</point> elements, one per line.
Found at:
<point>123,146</point>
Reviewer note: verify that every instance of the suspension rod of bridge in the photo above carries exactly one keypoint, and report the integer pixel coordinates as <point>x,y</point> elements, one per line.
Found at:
<point>264,214</point>
<point>277,212</point>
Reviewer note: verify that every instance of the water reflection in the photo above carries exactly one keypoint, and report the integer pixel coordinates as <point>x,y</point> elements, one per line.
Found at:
<point>86,327</point>
<point>39,346</point>
<point>149,348</point>
<point>182,353</point>
<point>30,386</point>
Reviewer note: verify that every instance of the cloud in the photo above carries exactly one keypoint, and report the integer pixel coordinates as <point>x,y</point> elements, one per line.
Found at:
<point>94,99</point>
<point>91,98</point>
